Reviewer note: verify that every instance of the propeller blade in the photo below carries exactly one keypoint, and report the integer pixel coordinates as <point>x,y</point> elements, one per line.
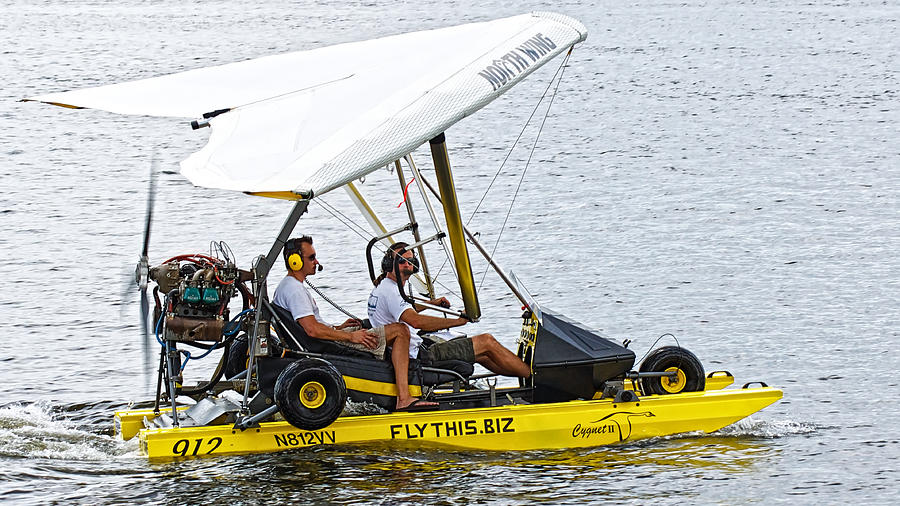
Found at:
<point>127,294</point>
<point>142,271</point>
<point>151,198</point>
<point>145,330</point>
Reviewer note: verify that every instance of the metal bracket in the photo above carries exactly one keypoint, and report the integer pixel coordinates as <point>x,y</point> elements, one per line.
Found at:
<point>408,226</point>
<point>252,422</point>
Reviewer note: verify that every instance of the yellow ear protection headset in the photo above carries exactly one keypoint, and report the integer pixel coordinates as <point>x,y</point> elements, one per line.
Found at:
<point>293,250</point>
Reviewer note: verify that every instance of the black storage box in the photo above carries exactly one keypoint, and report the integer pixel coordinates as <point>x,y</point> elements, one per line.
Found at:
<point>572,361</point>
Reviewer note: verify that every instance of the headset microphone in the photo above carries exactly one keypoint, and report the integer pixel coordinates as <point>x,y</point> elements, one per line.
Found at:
<point>319,268</point>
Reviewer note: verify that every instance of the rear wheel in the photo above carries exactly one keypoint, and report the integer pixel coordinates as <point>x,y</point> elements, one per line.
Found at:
<point>237,357</point>
<point>689,375</point>
<point>310,394</point>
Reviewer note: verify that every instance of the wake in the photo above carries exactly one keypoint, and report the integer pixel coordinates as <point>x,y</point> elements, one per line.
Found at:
<point>32,431</point>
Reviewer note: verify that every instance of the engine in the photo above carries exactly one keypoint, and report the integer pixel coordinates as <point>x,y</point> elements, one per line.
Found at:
<point>197,289</point>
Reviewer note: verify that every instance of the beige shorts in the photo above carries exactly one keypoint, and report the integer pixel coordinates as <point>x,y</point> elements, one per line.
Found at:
<point>378,351</point>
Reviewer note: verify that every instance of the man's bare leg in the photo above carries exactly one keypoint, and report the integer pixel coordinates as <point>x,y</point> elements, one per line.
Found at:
<point>397,336</point>
<point>497,358</point>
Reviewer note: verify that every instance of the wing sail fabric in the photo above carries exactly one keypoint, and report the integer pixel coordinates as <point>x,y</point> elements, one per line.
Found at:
<point>315,120</point>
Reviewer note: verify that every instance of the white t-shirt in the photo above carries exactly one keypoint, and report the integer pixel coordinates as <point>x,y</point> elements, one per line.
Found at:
<point>385,307</point>
<point>292,295</point>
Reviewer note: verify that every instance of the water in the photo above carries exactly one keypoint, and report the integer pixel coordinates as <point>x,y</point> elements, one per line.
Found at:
<point>725,173</point>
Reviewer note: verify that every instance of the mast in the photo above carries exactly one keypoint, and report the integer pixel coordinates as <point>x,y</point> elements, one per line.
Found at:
<point>454,226</point>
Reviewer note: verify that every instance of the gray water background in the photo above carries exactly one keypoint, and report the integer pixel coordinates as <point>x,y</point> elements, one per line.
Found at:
<point>726,172</point>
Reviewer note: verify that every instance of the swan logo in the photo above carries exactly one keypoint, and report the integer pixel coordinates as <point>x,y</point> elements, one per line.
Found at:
<point>615,423</point>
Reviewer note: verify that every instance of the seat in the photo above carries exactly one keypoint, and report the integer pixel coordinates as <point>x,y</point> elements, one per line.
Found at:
<point>292,334</point>
<point>294,337</point>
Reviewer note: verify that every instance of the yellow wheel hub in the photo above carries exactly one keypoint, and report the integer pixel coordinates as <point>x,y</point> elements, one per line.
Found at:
<point>312,394</point>
<point>676,384</point>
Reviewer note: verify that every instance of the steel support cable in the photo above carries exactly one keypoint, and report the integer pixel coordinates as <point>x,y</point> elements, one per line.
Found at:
<point>357,228</point>
<point>522,132</point>
<point>527,162</point>
<point>558,72</point>
<point>333,303</point>
<point>658,339</point>
<point>349,223</point>
<point>341,217</point>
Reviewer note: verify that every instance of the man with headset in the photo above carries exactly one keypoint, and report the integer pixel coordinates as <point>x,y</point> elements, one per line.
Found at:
<point>292,295</point>
<point>386,306</point>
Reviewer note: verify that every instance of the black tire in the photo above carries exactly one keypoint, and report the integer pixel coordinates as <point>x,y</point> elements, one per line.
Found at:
<point>691,377</point>
<point>237,357</point>
<point>310,394</point>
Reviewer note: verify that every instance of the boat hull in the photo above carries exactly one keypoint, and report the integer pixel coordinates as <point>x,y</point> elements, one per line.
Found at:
<point>504,428</point>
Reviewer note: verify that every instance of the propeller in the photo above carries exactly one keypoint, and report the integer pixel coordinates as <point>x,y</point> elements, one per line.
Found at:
<point>142,271</point>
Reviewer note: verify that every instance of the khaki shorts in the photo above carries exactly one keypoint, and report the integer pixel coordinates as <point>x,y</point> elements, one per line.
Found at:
<point>460,348</point>
<point>379,349</point>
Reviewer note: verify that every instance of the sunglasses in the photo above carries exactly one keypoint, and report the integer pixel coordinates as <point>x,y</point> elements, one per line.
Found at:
<point>412,261</point>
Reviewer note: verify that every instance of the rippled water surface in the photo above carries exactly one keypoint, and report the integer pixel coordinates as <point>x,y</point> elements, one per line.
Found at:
<point>726,173</point>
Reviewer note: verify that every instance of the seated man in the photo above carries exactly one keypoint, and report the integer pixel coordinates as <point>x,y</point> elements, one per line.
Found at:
<point>387,306</point>
<point>291,294</point>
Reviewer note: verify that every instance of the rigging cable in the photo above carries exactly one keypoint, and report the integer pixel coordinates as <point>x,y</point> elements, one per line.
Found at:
<point>341,217</point>
<point>361,232</point>
<point>527,162</point>
<point>658,339</point>
<point>522,132</point>
<point>559,72</point>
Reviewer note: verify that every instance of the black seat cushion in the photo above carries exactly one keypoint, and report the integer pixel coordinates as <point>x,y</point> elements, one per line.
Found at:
<point>308,343</point>
<point>383,370</point>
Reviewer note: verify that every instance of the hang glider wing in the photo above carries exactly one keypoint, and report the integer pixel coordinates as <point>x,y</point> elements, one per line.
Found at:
<point>312,121</point>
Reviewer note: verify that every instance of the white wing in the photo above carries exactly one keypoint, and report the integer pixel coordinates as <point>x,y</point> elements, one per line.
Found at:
<point>311,121</point>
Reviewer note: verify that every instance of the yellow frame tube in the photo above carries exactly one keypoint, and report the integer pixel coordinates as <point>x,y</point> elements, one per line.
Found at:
<point>455,230</point>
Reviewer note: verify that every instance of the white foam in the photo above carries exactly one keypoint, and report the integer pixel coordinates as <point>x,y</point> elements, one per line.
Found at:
<point>32,431</point>
<point>767,428</point>
<point>361,408</point>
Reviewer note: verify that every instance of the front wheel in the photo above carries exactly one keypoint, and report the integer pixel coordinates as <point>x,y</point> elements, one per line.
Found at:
<point>310,394</point>
<point>689,375</point>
